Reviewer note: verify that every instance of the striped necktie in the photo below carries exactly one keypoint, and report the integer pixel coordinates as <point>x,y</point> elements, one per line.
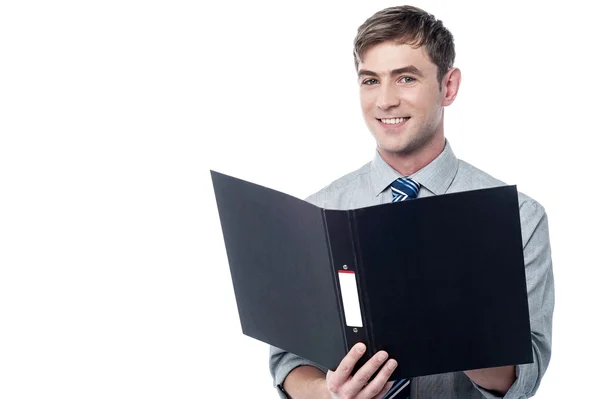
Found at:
<point>403,189</point>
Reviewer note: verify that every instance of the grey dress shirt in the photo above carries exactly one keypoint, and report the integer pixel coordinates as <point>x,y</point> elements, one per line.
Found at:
<point>370,185</point>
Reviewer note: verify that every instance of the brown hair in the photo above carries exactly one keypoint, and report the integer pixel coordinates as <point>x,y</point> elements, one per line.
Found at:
<point>407,25</point>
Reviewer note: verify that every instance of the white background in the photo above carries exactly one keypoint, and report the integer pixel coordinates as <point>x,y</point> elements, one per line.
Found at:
<point>114,280</point>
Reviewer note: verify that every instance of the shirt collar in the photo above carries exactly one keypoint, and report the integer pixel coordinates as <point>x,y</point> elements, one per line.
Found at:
<point>435,176</point>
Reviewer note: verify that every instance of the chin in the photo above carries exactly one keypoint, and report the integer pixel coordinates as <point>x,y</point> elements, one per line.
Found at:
<point>396,150</point>
<point>396,146</point>
<point>405,145</point>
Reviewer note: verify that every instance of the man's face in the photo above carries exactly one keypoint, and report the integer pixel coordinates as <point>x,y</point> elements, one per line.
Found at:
<point>400,97</point>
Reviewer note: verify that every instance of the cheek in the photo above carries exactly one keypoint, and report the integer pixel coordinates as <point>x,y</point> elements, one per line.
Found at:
<point>415,97</point>
<point>367,100</point>
<point>426,102</point>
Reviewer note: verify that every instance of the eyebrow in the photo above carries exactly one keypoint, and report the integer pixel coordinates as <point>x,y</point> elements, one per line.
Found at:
<point>399,71</point>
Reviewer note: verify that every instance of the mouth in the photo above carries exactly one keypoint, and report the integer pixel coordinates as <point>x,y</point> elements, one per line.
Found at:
<point>393,121</point>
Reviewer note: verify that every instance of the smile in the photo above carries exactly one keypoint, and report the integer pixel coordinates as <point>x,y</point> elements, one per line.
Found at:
<point>393,121</point>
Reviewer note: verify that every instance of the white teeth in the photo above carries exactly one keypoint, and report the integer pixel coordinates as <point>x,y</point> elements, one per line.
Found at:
<point>393,121</point>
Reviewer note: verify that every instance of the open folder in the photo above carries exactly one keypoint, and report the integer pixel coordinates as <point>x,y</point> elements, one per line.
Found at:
<point>437,282</point>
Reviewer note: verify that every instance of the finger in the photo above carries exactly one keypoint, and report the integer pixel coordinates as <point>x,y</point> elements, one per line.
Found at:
<point>380,384</point>
<point>386,389</point>
<point>362,376</point>
<point>342,373</point>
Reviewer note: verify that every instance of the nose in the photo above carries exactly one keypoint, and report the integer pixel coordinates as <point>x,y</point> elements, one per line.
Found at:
<point>387,99</point>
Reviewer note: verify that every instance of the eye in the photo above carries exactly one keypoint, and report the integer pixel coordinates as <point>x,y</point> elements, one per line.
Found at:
<point>407,79</point>
<point>369,82</point>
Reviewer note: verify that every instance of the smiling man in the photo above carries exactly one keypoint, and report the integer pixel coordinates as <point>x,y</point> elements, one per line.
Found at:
<point>404,59</point>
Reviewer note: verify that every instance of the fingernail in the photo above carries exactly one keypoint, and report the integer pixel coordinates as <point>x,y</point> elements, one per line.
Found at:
<point>392,364</point>
<point>360,349</point>
<point>382,356</point>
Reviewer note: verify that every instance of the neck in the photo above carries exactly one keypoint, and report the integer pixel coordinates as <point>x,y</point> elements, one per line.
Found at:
<point>409,163</point>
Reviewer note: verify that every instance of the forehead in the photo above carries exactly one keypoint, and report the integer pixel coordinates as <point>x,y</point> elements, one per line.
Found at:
<point>387,56</point>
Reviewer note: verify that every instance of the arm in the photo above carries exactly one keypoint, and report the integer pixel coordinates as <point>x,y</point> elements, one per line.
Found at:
<point>496,382</point>
<point>307,382</point>
<point>496,379</point>
<point>283,364</point>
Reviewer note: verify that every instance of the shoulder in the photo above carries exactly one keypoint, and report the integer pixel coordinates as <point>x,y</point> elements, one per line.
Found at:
<point>475,178</point>
<point>468,175</point>
<point>331,195</point>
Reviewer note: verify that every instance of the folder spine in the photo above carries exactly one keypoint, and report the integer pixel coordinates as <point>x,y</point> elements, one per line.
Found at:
<point>340,238</point>
<point>327,220</point>
<point>362,291</point>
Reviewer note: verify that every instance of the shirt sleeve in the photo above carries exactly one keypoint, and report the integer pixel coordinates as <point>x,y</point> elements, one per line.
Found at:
<point>540,294</point>
<point>281,363</point>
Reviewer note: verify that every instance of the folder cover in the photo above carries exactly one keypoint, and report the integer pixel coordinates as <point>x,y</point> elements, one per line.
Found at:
<point>437,282</point>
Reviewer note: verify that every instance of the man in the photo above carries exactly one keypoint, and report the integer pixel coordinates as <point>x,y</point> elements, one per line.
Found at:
<point>404,59</point>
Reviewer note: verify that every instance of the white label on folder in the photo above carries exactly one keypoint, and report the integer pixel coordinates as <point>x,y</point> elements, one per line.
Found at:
<point>350,298</point>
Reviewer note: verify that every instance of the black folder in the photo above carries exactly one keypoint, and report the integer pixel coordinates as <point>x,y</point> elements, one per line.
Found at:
<point>437,282</point>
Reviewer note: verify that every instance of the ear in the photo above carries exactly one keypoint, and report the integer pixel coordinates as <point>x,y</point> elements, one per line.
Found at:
<point>450,85</point>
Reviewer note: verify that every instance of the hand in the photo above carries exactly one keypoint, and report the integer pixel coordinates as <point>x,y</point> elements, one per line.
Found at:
<point>342,385</point>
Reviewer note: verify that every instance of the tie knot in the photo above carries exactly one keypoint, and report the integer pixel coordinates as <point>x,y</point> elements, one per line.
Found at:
<point>404,189</point>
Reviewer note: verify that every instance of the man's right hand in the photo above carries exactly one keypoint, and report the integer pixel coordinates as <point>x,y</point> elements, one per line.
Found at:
<point>342,385</point>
